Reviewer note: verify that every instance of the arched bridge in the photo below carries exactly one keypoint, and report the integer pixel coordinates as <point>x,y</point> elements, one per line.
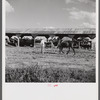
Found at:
<point>60,32</point>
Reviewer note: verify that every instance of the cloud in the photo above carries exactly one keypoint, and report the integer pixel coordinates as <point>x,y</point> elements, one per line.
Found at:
<point>50,27</point>
<point>69,1</point>
<point>83,15</point>
<point>84,1</point>
<point>88,19</point>
<point>70,9</point>
<point>38,23</point>
<point>9,8</point>
<point>87,25</point>
<point>87,1</point>
<point>92,2</point>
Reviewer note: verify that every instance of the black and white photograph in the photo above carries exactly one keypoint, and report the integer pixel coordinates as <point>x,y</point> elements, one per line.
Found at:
<point>50,41</point>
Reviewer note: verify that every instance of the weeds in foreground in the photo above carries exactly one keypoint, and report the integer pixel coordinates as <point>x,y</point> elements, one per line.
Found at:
<point>40,74</point>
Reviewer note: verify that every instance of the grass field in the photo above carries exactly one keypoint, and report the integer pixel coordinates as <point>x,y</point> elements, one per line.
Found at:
<point>27,64</point>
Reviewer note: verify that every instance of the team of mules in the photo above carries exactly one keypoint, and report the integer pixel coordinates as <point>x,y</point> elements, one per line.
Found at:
<point>65,44</point>
<point>60,43</point>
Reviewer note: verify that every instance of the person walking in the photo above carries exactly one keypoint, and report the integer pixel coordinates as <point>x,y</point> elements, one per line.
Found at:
<point>42,46</point>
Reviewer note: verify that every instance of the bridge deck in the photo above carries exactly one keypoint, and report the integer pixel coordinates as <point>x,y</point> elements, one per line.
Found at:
<point>53,31</point>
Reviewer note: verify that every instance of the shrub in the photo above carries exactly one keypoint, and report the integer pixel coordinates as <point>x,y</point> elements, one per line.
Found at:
<point>40,74</point>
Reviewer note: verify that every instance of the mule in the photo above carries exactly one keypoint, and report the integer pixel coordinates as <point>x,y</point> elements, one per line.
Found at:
<point>65,44</point>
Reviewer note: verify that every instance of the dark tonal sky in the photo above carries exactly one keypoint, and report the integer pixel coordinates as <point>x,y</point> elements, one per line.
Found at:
<point>50,13</point>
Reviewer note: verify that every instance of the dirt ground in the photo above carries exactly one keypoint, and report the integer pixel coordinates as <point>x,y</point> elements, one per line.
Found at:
<point>31,56</point>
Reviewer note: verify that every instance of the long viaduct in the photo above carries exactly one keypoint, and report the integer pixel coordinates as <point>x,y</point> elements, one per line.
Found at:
<point>60,32</point>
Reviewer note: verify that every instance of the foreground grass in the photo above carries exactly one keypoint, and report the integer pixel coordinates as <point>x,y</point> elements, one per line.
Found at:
<point>40,74</point>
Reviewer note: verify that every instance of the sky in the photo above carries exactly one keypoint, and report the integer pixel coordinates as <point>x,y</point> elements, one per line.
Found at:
<point>50,14</point>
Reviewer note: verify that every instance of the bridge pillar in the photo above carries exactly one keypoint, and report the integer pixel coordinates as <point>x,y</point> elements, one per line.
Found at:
<point>9,36</point>
<point>79,43</point>
<point>52,45</point>
<point>18,36</point>
<point>33,36</point>
<point>8,41</point>
<point>47,36</point>
<point>60,37</point>
<point>91,36</point>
